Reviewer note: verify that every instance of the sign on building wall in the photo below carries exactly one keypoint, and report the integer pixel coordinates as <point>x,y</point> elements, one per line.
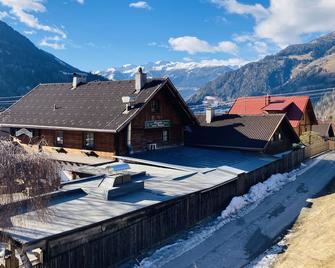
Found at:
<point>157,124</point>
<point>24,131</point>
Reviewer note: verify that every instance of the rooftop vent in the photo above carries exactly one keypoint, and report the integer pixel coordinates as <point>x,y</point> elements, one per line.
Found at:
<point>210,114</point>
<point>140,80</point>
<point>78,78</point>
<point>267,99</point>
<point>129,101</point>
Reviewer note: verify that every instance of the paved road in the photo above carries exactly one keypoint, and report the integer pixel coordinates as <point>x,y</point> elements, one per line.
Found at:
<point>242,240</point>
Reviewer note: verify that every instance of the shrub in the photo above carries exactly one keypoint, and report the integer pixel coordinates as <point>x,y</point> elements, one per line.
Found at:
<point>24,179</point>
<point>311,137</point>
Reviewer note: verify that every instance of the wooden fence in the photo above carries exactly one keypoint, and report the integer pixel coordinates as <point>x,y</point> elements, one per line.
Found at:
<point>318,148</point>
<point>109,243</point>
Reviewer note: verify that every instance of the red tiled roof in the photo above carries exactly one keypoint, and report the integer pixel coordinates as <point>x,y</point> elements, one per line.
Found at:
<point>294,107</point>
<point>277,106</point>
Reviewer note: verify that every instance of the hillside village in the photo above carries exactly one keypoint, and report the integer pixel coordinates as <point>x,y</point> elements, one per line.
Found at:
<point>133,154</point>
<point>208,148</point>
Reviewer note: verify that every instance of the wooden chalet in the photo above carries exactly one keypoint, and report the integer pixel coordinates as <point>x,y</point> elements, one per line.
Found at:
<point>299,109</point>
<point>268,133</point>
<point>101,118</point>
<point>325,130</point>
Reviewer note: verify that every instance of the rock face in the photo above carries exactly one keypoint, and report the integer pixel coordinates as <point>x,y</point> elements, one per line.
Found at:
<point>186,76</point>
<point>298,67</point>
<point>23,65</point>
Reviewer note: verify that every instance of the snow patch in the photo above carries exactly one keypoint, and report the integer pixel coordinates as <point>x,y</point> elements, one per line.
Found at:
<point>258,193</point>
<point>65,176</point>
<point>269,257</point>
<point>238,207</point>
<point>2,250</point>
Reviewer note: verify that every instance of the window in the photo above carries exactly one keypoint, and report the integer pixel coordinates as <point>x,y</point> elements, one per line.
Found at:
<point>155,108</point>
<point>59,140</point>
<point>165,136</point>
<point>89,140</point>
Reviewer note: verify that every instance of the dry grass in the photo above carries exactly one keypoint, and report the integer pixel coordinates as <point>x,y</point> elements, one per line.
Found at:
<point>312,241</point>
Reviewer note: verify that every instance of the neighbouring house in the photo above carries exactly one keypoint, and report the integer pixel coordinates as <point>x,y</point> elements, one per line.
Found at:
<point>101,118</point>
<point>267,133</point>
<point>325,129</point>
<point>298,109</point>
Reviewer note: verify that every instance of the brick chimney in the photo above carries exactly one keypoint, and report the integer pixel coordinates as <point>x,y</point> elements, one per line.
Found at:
<point>140,80</point>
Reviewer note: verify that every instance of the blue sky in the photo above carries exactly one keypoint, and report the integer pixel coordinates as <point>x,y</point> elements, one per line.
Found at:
<point>97,34</point>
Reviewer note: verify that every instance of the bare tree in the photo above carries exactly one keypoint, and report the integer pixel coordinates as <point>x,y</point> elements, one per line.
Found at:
<point>25,180</point>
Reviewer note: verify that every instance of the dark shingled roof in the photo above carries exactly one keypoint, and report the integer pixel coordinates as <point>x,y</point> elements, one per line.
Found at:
<point>324,129</point>
<point>91,106</point>
<point>252,132</point>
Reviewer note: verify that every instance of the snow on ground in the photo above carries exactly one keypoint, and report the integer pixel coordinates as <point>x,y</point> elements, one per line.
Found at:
<point>2,250</point>
<point>269,257</point>
<point>238,207</point>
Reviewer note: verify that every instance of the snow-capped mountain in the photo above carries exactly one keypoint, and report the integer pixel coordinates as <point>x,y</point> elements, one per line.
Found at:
<point>186,76</point>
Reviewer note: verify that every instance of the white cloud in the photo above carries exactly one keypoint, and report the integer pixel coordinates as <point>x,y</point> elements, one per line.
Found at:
<point>24,11</point>
<point>241,38</point>
<point>3,14</point>
<point>81,1</point>
<point>152,44</point>
<point>187,59</point>
<point>260,47</point>
<point>285,22</point>
<point>233,6</point>
<point>227,47</point>
<point>155,44</point>
<point>140,4</point>
<point>30,32</point>
<point>54,42</point>
<point>193,45</point>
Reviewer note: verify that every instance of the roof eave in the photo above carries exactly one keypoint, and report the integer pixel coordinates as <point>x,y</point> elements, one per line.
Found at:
<point>254,149</point>
<point>56,128</point>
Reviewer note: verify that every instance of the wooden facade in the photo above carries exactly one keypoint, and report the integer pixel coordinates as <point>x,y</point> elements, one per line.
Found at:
<point>160,124</point>
<point>281,140</point>
<point>306,123</point>
<point>142,135</point>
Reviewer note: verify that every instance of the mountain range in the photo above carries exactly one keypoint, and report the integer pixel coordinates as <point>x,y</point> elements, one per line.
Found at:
<point>301,67</point>
<point>23,65</point>
<point>186,76</point>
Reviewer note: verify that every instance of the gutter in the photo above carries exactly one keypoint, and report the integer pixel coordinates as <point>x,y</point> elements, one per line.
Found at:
<point>58,128</point>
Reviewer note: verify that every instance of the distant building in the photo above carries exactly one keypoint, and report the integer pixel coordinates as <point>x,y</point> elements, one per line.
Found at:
<point>298,109</point>
<point>103,118</point>
<point>268,133</point>
<point>325,129</point>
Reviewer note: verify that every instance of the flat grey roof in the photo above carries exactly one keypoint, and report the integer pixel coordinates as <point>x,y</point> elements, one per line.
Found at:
<point>82,208</point>
<point>202,159</point>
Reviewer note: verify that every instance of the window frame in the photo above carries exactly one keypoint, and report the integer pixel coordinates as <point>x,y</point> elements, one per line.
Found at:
<point>155,106</point>
<point>165,135</point>
<point>90,146</point>
<point>57,143</point>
